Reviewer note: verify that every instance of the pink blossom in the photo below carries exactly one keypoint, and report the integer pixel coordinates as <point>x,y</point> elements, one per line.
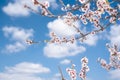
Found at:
<point>72,73</point>
<point>86,7</point>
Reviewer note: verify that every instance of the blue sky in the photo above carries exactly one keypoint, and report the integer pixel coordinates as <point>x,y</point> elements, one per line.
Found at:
<point>19,61</point>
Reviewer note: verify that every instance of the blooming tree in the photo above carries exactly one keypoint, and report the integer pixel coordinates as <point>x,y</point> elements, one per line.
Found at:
<point>101,15</point>
<point>114,59</point>
<point>102,10</point>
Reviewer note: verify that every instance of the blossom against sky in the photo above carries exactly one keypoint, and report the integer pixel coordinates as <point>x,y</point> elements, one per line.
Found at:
<point>20,61</point>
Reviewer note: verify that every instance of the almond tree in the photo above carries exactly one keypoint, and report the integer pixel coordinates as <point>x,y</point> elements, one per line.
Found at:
<point>101,16</point>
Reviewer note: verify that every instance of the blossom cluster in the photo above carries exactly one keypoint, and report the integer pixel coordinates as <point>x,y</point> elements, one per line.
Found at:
<point>72,72</point>
<point>84,69</point>
<point>114,60</point>
<point>69,18</point>
<point>56,39</point>
<point>104,64</point>
<point>92,16</point>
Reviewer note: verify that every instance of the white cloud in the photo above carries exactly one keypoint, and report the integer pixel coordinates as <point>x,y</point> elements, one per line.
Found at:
<point>24,71</point>
<point>60,28</point>
<point>91,40</point>
<point>62,50</point>
<point>114,36</point>
<point>27,68</point>
<point>16,33</point>
<point>65,61</point>
<point>18,36</point>
<point>115,74</point>
<point>16,8</point>
<point>16,47</point>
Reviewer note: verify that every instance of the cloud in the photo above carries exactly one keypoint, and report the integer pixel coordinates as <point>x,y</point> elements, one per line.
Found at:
<point>60,28</point>
<point>62,50</point>
<point>24,71</point>
<point>27,68</point>
<point>16,33</point>
<point>65,61</point>
<point>16,47</point>
<point>91,40</point>
<point>114,36</point>
<point>16,8</point>
<point>17,36</point>
<point>115,74</point>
